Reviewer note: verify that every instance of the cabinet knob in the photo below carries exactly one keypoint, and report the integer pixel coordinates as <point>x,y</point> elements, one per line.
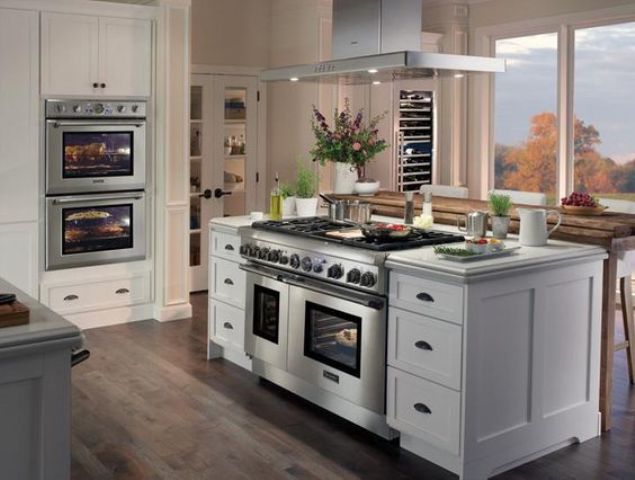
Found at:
<point>228,281</point>
<point>70,298</point>
<point>95,85</point>
<point>228,326</point>
<point>229,247</point>
<point>423,345</point>
<point>425,297</point>
<point>103,85</point>
<point>422,408</point>
<point>122,291</point>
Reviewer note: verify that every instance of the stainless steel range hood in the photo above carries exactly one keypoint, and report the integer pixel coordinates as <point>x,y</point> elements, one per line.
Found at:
<point>379,40</point>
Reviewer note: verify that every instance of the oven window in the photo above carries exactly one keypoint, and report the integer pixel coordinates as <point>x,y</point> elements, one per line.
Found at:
<point>266,313</point>
<point>333,338</point>
<point>96,229</point>
<point>94,154</point>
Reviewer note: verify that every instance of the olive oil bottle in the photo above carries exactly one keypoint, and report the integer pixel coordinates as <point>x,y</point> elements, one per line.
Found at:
<point>275,202</point>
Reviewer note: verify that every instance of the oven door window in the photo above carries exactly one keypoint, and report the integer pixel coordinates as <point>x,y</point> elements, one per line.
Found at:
<point>96,229</point>
<point>266,313</point>
<point>333,338</point>
<point>95,154</point>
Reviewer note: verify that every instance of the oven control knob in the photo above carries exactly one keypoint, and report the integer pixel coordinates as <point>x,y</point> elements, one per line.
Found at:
<point>307,264</point>
<point>263,254</point>
<point>274,256</point>
<point>99,108</point>
<point>121,108</point>
<point>295,261</point>
<point>284,260</point>
<point>353,276</point>
<point>77,109</point>
<point>60,108</point>
<point>335,271</point>
<point>134,108</point>
<point>368,279</point>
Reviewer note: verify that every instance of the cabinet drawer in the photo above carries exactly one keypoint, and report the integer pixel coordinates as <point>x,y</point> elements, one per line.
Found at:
<point>97,295</point>
<point>228,325</point>
<point>435,299</point>
<point>425,347</point>
<point>424,410</point>
<point>225,245</point>
<point>227,282</point>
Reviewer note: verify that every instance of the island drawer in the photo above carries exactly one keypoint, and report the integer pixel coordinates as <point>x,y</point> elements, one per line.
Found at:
<point>419,295</point>
<point>228,325</point>
<point>225,245</point>
<point>424,410</point>
<point>227,282</point>
<point>426,347</point>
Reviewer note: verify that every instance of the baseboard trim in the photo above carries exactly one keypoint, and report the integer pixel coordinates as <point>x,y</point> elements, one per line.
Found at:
<point>172,312</point>
<point>112,316</point>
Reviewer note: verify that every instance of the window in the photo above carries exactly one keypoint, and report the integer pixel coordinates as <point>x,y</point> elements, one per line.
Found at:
<point>525,120</point>
<point>590,147</point>
<point>604,106</point>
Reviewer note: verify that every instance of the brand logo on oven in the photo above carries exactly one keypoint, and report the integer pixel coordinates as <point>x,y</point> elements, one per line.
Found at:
<point>99,180</point>
<point>331,376</point>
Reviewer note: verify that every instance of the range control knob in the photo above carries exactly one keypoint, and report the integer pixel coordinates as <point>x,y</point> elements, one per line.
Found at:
<point>121,108</point>
<point>307,264</point>
<point>99,108</point>
<point>368,279</point>
<point>262,255</point>
<point>254,251</point>
<point>335,271</point>
<point>317,268</point>
<point>295,261</point>
<point>284,259</point>
<point>244,249</point>
<point>274,256</point>
<point>353,276</point>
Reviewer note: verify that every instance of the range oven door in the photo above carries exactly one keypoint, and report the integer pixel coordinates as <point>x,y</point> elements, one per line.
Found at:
<point>266,316</point>
<point>85,230</point>
<point>337,341</point>
<point>84,156</point>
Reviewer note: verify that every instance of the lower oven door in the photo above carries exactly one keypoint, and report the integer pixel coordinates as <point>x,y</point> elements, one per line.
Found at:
<point>266,316</point>
<point>337,341</point>
<point>84,230</point>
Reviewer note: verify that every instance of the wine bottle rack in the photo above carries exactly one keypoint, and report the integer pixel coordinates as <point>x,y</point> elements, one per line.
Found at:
<point>415,139</point>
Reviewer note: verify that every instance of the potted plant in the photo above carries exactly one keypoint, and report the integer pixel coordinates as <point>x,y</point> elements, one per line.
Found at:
<point>287,192</point>
<point>350,145</point>
<point>500,205</point>
<point>306,187</point>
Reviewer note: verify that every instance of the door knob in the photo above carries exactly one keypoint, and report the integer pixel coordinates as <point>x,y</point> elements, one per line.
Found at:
<point>219,192</point>
<point>207,193</point>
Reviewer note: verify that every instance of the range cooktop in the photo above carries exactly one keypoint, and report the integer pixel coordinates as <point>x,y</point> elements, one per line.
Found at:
<point>318,227</point>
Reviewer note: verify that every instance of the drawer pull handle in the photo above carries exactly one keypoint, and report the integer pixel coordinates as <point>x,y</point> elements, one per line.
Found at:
<point>229,247</point>
<point>71,298</point>
<point>422,408</point>
<point>423,345</point>
<point>122,291</point>
<point>425,297</point>
<point>228,326</point>
<point>228,281</point>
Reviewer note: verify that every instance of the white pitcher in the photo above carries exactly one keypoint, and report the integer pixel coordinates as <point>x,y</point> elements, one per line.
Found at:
<point>533,226</point>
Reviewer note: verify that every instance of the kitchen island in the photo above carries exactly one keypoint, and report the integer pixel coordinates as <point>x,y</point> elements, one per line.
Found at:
<point>35,393</point>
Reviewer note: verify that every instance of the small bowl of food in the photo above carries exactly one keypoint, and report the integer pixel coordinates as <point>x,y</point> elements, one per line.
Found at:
<point>495,245</point>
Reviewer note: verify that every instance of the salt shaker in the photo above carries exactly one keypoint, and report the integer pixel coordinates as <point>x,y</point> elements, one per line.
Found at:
<point>409,208</point>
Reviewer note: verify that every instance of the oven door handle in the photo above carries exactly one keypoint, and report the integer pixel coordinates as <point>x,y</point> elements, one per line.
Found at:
<point>264,271</point>
<point>367,300</point>
<point>83,123</point>
<point>96,198</point>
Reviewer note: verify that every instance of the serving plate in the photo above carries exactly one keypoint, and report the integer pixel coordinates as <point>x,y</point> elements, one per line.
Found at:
<point>591,211</point>
<point>479,256</point>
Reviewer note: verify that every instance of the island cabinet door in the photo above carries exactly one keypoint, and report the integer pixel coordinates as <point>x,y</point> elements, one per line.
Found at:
<point>532,361</point>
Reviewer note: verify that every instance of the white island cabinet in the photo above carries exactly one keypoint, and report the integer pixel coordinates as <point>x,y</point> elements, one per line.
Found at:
<point>494,363</point>
<point>227,292</point>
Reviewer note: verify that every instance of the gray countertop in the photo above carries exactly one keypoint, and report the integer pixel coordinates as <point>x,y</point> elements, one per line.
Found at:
<point>44,324</point>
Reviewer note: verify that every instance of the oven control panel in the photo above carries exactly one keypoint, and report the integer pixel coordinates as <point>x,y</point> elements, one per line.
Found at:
<point>328,267</point>
<point>70,108</point>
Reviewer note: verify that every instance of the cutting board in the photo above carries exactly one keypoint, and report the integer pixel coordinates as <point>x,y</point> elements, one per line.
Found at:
<point>346,234</point>
<point>12,314</point>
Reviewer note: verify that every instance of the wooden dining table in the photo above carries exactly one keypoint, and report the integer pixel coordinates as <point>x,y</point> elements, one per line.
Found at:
<point>614,232</point>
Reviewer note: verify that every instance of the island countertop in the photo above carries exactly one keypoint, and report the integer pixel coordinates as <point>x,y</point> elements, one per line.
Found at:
<point>44,324</point>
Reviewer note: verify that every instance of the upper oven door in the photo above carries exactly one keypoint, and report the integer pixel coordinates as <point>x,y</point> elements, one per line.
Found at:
<point>85,156</point>
<point>266,316</point>
<point>337,340</point>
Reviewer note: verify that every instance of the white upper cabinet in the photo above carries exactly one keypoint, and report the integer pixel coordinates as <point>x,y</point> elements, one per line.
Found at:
<point>88,55</point>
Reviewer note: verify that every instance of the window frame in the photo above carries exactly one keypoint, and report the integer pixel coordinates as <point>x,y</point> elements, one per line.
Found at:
<point>483,89</point>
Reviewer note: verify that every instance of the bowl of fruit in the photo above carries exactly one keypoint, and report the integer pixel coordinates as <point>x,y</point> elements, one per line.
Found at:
<point>579,203</point>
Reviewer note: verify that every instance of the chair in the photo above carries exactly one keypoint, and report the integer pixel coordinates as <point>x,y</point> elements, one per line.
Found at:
<point>526,198</point>
<point>444,191</point>
<point>624,272</point>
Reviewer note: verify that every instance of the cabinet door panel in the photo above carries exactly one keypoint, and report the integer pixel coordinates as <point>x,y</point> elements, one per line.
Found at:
<point>18,116</point>
<point>125,56</point>
<point>69,54</point>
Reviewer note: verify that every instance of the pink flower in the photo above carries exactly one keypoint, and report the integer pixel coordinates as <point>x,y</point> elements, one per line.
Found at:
<point>357,146</point>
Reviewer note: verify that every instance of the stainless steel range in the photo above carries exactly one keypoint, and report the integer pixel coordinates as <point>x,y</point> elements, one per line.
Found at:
<point>316,313</point>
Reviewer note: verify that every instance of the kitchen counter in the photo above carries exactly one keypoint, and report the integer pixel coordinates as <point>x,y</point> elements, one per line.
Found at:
<point>35,388</point>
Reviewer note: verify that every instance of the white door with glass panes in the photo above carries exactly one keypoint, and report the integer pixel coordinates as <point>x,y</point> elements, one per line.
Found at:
<point>223,158</point>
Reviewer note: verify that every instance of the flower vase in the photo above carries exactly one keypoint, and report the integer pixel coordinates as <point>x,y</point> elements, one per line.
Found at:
<point>345,178</point>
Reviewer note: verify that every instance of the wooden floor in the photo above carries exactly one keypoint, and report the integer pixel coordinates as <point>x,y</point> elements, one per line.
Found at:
<point>147,405</point>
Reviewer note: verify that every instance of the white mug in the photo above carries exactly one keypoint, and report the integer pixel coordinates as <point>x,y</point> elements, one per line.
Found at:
<point>533,226</point>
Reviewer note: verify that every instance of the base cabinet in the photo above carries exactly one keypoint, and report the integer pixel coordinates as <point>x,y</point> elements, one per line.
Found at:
<point>513,377</point>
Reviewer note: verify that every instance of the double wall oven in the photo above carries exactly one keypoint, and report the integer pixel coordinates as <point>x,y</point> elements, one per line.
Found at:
<point>96,162</point>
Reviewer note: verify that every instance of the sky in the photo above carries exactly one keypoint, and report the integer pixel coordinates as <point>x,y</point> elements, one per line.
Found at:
<point>604,85</point>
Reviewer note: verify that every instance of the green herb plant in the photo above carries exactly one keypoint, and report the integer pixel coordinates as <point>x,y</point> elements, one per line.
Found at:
<point>500,204</point>
<point>286,190</point>
<point>306,183</point>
